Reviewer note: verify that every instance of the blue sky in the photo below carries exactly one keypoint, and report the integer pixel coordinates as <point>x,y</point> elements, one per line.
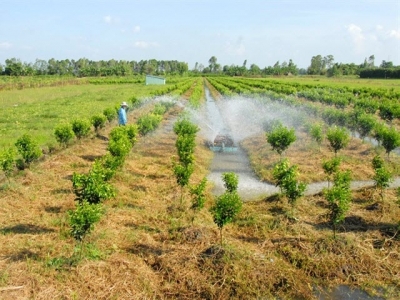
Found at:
<point>262,32</point>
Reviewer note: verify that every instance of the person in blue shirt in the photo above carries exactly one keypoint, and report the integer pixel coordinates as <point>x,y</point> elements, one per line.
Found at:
<point>122,118</point>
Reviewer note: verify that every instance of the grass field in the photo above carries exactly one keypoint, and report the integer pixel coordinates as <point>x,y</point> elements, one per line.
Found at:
<point>38,110</point>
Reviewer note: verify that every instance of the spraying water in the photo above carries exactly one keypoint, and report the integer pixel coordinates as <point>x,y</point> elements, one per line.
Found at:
<point>240,118</point>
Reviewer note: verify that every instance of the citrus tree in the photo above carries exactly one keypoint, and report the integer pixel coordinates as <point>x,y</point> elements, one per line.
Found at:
<point>280,138</point>
<point>227,205</point>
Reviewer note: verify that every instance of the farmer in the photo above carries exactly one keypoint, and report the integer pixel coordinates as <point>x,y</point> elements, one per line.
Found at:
<point>122,119</point>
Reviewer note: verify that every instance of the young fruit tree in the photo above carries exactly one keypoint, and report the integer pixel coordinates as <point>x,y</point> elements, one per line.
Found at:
<point>280,138</point>
<point>91,187</point>
<point>81,128</point>
<point>198,196</point>
<point>82,220</point>
<point>338,138</point>
<point>28,149</point>
<point>226,207</point>
<point>331,167</point>
<point>339,197</point>
<point>286,179</point>
<point>382,175</point>
<point>7,162</point>
<point>98,122</point>
<point>64,134</point>
<point>390,139</point>
<point>185,145</point>
<point>316,133</point>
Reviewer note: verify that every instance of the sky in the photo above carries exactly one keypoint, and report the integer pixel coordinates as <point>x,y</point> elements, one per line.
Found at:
<point>260,32</point>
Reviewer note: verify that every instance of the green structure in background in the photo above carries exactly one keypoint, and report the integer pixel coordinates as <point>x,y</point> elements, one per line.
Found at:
<point>150,79</point>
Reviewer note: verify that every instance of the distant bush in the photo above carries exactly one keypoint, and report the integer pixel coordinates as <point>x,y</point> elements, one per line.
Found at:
<point>64,134</point>
<point>81,128</point>
<point>148,123</point>
<point>110,114</point>
<point>7,162</point>
<point>338,138</point>
<point>98,122</point>
<point>28,149</point>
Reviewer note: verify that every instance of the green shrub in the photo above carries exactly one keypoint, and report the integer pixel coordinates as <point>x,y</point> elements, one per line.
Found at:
<point>225,209</point>
<point>382,175</point>
<point>110,114</point>
<point>316,133</point>
<point>81,128</point>
<point>198,193</point>
<point>91,187</point>
<point>338,138</point>
<point>339,197</point>
<point>182,174</point>
<point>28,149</point>
<point>185,127</point>
<point>159,109</point>
<point>390,139</point>
<point>106,166</point>
<point>83,218</point>
<point>133,131</point>
<point>120,147</point>
<point>331,167</point>
<point>7,162</point>
<point>231,181</point>
<point>148,123</point>
<point>286,179</point>
<point>98,122</point>
<point>64,134</point>
<point>280,138</point>
<point>365,125</point>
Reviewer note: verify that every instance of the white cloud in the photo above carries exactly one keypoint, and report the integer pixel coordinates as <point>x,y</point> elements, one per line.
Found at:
<point>5,45</point>
<point>145,45</point>
<point>395,34</point>
<point>136,29</point>
<point>107,19</point>
<point>111,20</point>
<point>357,36</point>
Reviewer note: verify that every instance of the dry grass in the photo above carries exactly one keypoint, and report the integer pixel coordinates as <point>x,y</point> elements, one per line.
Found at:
<point>146,247</point>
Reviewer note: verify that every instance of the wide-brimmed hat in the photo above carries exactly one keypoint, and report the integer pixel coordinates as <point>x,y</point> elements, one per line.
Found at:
<point>124,104</point>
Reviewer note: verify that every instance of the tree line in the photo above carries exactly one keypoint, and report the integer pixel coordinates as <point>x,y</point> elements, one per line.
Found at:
<point>83,67</point>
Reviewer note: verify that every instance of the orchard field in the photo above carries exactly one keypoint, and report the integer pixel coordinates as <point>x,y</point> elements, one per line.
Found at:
<point>142,233</point>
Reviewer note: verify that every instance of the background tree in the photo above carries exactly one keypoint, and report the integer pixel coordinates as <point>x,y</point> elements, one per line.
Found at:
<point>212,62</point>
<point>316,65</point>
